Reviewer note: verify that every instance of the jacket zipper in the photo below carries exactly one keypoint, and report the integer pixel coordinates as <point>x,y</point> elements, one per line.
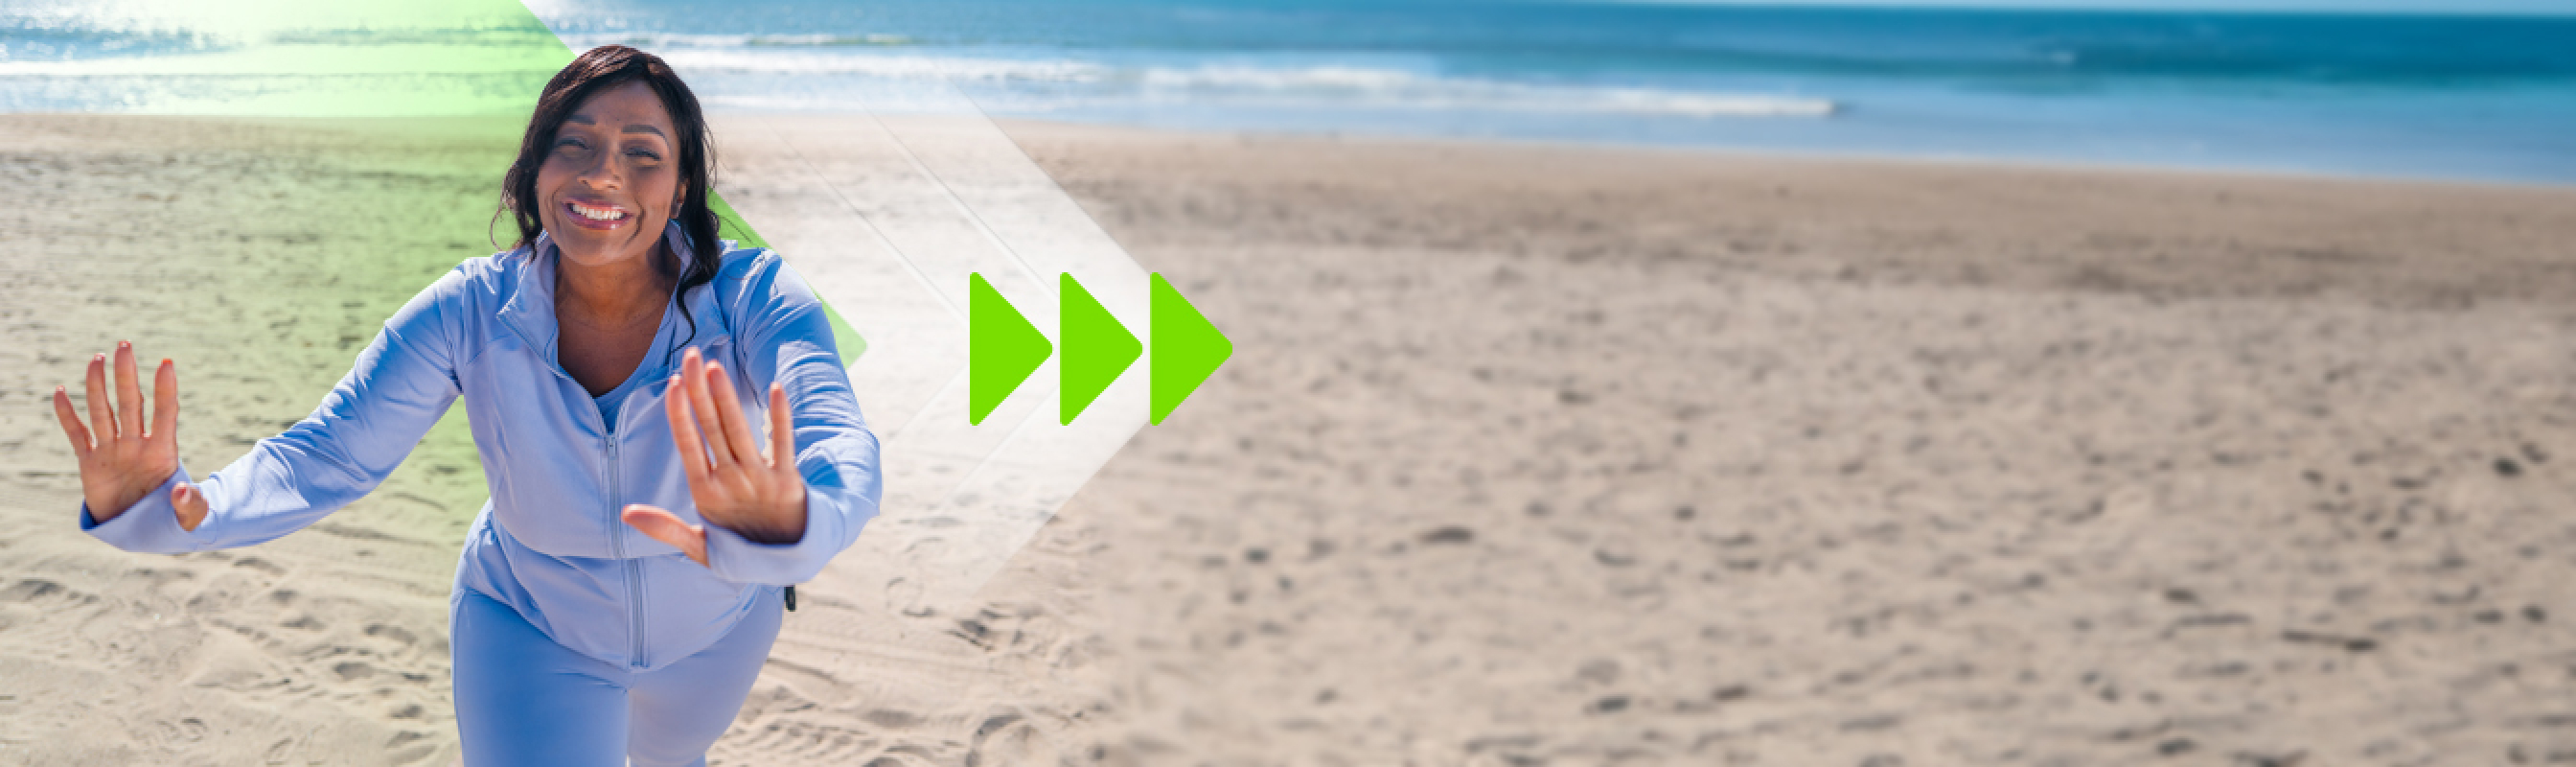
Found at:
<point>617,528</point>
<point>616,505</point>
<point>617,544</point>
<point>616,537</point>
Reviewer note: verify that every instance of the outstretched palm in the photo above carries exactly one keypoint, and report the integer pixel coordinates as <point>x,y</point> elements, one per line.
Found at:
<point>121,458</point>
<point>734,484</point>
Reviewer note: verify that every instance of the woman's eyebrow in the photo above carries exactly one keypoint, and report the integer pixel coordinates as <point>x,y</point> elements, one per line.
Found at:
<point>585,119</point>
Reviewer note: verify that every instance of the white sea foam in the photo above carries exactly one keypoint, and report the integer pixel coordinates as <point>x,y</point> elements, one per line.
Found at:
<point>1358,86</point>
<point>828,40</point>
<point>832,71</point>
<point>1054,82</point>
<point>666,42</point>
<point>897,66</point>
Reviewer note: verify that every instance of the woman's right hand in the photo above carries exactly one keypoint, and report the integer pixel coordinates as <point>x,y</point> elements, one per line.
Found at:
<point>120,459</point>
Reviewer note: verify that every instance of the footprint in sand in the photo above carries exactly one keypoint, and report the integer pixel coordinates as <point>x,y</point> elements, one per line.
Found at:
<point>255,563</point>
<point>821,744</point>
<point>1005,739</point>
<point>396,634</point>
<point>351,671</point>
<point>37,590</point>
<point>903,756</point>
<point>406,748</point>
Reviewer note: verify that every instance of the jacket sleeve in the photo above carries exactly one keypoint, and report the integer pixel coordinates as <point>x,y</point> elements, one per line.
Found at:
<point>402,383</point>
<point>786,337</point>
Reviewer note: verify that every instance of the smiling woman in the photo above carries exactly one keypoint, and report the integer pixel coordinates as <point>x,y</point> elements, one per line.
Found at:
<point>595,181</point>
<point>617,596</point>
<point>617,148</point>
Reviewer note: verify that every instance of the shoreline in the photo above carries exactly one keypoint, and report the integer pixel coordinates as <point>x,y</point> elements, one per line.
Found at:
<point>1719,151</point>
<point>1749,152</point>
<point>2155,232</point>
<point>1833,156</point>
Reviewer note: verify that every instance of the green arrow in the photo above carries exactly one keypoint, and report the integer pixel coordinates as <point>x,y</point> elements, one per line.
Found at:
<point>1186,348</point>
<point>1002,348</point>
<point>729,222</point>
<point>1096,348</point>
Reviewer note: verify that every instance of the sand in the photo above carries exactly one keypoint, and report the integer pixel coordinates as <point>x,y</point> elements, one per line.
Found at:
<point>1527,455</point>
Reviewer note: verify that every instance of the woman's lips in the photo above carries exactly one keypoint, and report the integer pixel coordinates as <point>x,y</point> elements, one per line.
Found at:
<point>596,216</point>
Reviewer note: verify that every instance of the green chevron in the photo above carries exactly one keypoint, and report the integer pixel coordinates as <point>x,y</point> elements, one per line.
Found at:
<point>1096,348</point>
<point>729,225</point>
<point>1186,348</point>
<point>1002,348</point>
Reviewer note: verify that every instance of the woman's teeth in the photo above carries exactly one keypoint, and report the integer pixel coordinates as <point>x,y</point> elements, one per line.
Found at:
<point>598,214</point>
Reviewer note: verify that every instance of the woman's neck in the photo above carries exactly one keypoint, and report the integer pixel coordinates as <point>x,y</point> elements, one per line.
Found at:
<point>611,294</point>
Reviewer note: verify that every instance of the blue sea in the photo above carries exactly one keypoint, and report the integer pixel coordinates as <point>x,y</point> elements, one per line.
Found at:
<point>2488,97</point>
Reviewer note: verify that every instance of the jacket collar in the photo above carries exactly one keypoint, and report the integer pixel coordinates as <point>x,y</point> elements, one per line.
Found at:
<point>529,309</point>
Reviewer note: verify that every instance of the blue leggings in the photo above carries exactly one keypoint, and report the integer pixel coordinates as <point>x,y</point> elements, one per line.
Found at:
<point>522,699</point>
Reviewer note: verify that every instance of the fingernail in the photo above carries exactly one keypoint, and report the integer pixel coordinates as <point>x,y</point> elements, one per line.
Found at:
<point>102,357</point>
<point>165,360</point>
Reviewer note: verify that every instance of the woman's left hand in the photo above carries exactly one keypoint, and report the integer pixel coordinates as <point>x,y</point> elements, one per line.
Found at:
<point>760,497</point>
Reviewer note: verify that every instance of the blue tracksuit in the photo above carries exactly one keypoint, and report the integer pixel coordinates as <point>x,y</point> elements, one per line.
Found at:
<point>548,549</point>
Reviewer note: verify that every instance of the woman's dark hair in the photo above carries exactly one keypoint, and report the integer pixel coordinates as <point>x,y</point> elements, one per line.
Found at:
<point>600,69</point>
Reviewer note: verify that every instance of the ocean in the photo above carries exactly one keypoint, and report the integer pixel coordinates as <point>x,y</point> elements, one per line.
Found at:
<point>2488,97</point>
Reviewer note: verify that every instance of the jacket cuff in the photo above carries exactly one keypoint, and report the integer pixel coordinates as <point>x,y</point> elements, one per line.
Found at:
<point>740,560</point>
<point>151,525</point>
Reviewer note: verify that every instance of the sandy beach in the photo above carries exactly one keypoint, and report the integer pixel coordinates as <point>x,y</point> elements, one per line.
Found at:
<point>1527,455</point>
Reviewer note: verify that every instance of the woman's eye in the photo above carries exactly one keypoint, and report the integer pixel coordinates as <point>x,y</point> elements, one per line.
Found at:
<point>644,153</point>
<point>569,143</point>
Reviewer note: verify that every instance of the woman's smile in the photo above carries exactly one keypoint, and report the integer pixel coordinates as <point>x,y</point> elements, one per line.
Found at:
<point>595,215</point>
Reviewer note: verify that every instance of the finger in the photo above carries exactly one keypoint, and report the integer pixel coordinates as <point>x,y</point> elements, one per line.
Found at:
<point>666,527</point>
<point>190,504</point>
<point>736,425</point>
<point>71,423</point>
<point>165,401</point>
<point>101,416</point>
<point>782,431</point>
<point>684,431</point>
<point>129,392</point>
<point>702,403</point>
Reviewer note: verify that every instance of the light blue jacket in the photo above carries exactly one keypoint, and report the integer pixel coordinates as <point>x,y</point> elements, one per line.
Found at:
<point>549,543</point>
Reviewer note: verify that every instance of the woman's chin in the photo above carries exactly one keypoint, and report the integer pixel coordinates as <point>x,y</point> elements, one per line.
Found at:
<point>597,254</point>
<point>588,245</point>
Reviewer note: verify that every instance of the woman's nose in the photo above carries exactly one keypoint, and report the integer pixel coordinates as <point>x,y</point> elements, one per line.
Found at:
<point>601,173</point>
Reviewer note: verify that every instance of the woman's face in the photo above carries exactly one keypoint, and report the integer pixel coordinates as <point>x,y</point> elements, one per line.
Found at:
<point>611,179</point>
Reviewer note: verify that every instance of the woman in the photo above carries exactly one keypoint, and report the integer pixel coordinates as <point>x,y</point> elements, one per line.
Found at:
<point>619,592</point>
